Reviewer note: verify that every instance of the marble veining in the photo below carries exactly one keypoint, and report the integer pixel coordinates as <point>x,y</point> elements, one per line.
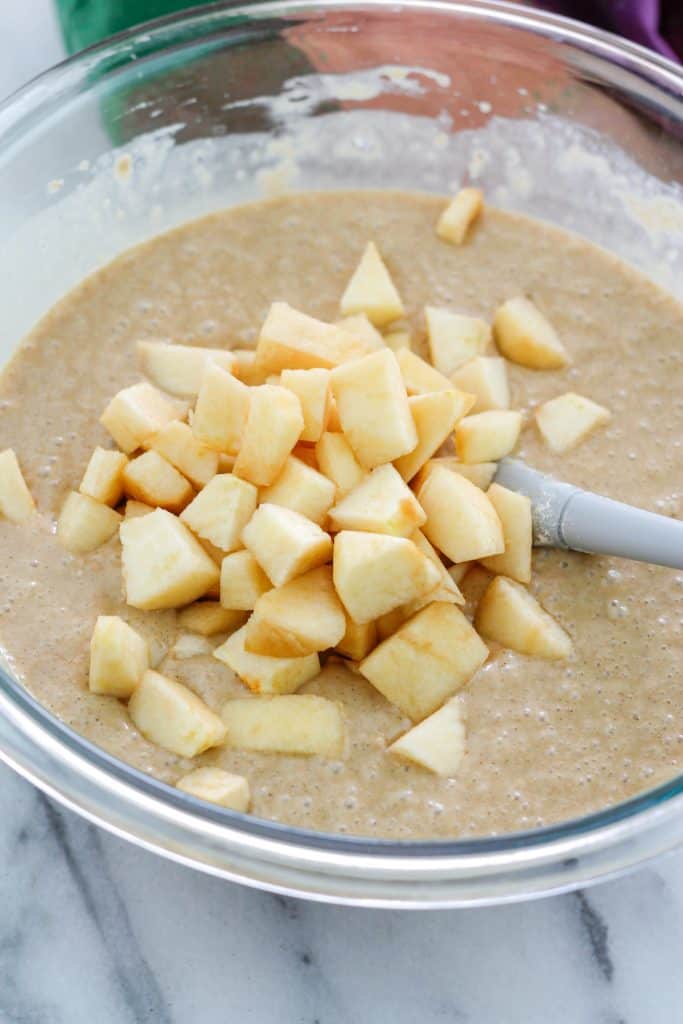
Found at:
<point>94,930</point>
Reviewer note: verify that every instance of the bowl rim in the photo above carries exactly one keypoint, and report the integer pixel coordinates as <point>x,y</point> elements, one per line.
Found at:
<point>321,850</point>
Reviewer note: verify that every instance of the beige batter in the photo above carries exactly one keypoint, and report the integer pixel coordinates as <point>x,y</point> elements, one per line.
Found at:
<point>546,741</point>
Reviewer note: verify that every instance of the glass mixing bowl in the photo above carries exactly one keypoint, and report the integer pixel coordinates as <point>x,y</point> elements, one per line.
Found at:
<point>227,103</point>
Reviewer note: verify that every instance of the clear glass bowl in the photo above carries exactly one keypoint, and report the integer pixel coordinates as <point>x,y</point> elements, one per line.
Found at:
<point>223,104</point>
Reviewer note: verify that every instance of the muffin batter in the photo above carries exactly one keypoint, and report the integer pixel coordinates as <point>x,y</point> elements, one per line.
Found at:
<point>546,740</point>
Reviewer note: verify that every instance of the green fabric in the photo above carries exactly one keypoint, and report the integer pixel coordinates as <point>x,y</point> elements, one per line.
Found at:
<point>84,22</point>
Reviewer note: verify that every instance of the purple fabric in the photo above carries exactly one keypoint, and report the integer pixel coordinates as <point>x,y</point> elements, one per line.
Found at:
<point>657,24</point>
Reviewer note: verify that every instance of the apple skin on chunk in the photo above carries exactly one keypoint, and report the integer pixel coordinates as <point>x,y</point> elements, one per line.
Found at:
<point>525,336</point>
<point>273,427</point>
<point>119,657</point>
<point>375,573</point>
<point>263,674</point>
<point>371,291</point>
<point>426,661</point>
<point>163,564</point>
<point>290,340</point>
<point>217,787</point>
<point>461,521</point>
<point>437,743</point>
<point>284,543</point>
<point>172,716</point>
<point>460,214</point>
<point>302,617</point>
<point>381,503</point>
<point>373,408</point>
<point>293,724</point>
<point>511,616</point>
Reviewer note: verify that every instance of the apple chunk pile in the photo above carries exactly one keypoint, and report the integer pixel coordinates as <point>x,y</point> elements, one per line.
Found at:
<point>298,500</point>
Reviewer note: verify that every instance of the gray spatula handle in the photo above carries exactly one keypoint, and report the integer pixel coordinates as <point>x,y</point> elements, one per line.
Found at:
<point>564,516</point>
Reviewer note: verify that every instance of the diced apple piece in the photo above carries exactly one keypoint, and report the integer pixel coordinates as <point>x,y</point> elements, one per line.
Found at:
<point>103,477</point>
<point>487,436</point>
<point>361,327</point>
<point>221,411</point>
<point>302,617</point>
<point>217,787</point>
<point>454,339</point>
<point>480,473</point>
<point>514,512</point>
<point>292,724</point>
<point>396,340</point>
<point>525,336</point>
<point>426,661</point>
<point>119,657</point>
<point>567,420</point>
<point>137,412</point>
<point>247,367</point>
<point>381,503</point>
<point>302,489</point>
<point>178,445</point>
<point>262,674</point>
<point>459,215</point>
<point>16,502</point>
<point>358,640</point>
<point>461,521</point>
<point>511,616</point>
<point>333,422</point>
<point>437,743</point>
<point>435,416</point>
<point>273,427</point>
<point>163,564</point>
<point>312,388</point>
<point>179,369</point>
<point>418,376</point>
<point>338,463</point>
<point>371,290</point>
<point>284,543</point>
<point>150,478</point>
<point>447,588</point>
<point>85,524</point>
<point>135,509</point>
<point>209,617</point>
<point>242,581</point>
<point>172,716</point>
<point>373,408</point>
<point>220,512</point>
<point>485,377</point>
<point>374,573</point>
<point>290,340</point>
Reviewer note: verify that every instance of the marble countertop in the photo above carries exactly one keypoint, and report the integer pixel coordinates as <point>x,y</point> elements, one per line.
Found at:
<point>94,930</point>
